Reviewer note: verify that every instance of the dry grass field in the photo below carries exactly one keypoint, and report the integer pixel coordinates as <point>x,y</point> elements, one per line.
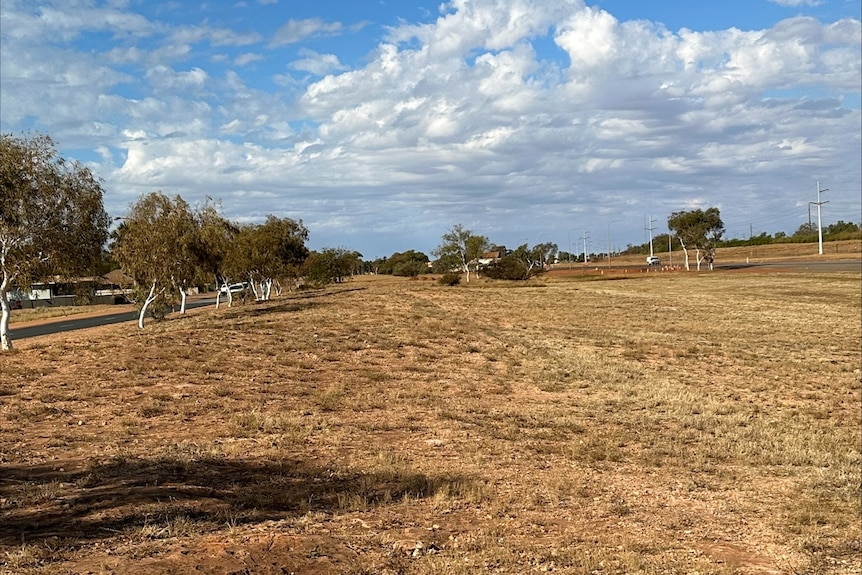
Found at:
<point>666,423</point>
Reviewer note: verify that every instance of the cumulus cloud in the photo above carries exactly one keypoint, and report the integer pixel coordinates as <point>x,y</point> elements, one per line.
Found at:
<point>318,64</point>
<point>247,58</point>
<point>505,115</point>
<point>297,30</point>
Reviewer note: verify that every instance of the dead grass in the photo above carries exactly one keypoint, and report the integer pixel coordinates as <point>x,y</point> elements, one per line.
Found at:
<point>666,424</point>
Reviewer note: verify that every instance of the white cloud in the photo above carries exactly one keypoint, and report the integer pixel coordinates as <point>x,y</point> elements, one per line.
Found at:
<point>318,64</point>
<point>467,118</point>
<point>795,3</point>
<point>297,30</point>
<point>247,58</point>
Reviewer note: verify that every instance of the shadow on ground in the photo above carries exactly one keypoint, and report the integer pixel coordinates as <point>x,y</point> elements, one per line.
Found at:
<point>165,497</point>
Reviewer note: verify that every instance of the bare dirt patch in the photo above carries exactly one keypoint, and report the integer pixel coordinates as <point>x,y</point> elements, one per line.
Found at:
<point>669,424</point>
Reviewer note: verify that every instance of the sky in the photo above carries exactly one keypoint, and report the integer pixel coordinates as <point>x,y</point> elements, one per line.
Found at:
<point>382,124</point>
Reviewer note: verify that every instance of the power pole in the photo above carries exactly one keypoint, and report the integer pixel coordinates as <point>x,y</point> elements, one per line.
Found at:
<point>586,237</point>
<point>818,203</point>
<point>650,228</point>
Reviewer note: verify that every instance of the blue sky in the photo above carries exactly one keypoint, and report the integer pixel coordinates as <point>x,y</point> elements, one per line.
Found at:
<point>381,124</point>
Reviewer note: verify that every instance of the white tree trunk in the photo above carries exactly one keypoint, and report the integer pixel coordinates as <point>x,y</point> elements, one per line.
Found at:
<point>697,257</point>
<point>150,298</point>
<point>685,251</point>
<point>268,289</point>
<point>5,314</point>
<point>182,300</point>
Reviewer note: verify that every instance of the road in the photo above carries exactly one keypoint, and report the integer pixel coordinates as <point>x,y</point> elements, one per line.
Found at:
<point>797,266</point>
<point>72,323</point>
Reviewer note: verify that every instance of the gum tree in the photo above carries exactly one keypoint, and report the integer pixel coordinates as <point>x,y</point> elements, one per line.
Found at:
<point>216,235</point>
<point>700,230</point>
<point>263,254</point>
<point>52,220</point>
<point>331,265</point>
<point>157,246</point>
<point>461,248</point>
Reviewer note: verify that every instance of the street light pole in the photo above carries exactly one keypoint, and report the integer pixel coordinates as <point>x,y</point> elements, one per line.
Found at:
<point>586,237</point>
<point>819,222</point>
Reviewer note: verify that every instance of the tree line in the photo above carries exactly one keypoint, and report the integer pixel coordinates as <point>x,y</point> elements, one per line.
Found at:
<point>53,225</point>
<point>805,234</point>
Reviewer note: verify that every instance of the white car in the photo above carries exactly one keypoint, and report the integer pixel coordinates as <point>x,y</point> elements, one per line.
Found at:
<point>653,261</point>
<point>234,288</point>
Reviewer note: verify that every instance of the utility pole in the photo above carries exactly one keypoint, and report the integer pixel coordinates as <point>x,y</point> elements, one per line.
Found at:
<point>650,228</point>
<point>586,237</point>
<point>819,221</point>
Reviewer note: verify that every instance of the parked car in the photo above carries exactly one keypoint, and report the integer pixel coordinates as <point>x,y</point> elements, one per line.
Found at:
<point>234,288</point>
<point>653,261</point>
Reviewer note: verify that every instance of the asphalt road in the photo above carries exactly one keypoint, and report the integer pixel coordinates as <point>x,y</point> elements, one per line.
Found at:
<point>73,323</point>
<point>798,266</point>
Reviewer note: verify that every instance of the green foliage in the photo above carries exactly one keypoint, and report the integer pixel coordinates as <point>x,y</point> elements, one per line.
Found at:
<point>266,252</point>
<point>461,249</point>
<point>508,268</point>
<point>842,230</point>
<point>408,264</point>
<point>52,220</point>
<point>808,231</point>
<point>216,235</point>
<point>523,263</point>
<point>157,243</point>
<point>331,265</point>
<point>698,229</point>
<point>450,279</point>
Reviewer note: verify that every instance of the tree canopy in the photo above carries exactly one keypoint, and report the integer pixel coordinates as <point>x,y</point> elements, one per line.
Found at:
<point>524,262</point>
<point>267,252</point>
<point>461,248</point>
<point>158,245</point>
<point>699,230</point>
<point>52,220</point>
<point>331,265</point>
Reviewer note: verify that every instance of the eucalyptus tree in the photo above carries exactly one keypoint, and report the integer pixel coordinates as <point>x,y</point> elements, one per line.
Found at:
<point>700,230</point>
<point>266,253</point>
<point>331,265</point>
<point>158,246</point>
<point>461,249</point>
<point>52,219</point>
<point>523,262</point>
<point>216,235</point>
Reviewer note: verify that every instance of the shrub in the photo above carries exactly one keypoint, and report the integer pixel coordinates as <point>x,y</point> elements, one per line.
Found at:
<point>450,279</point>
<point>508,268</point>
